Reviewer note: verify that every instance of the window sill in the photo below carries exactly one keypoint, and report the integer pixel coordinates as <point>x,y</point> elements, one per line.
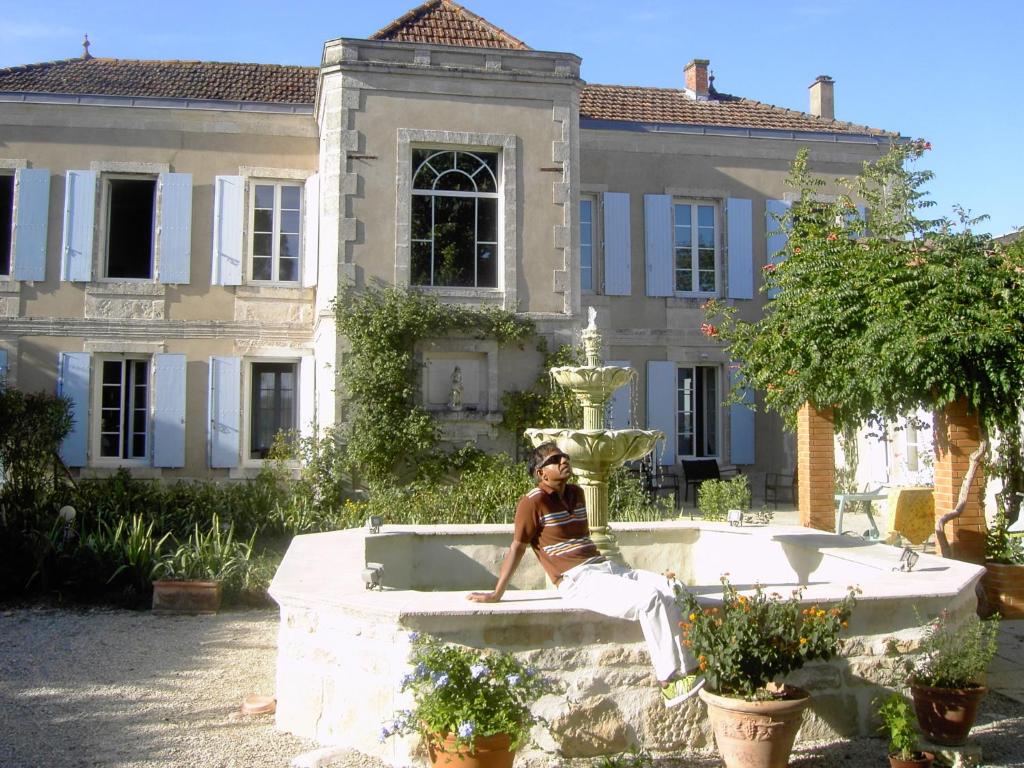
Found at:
<point>117,287</point>
<point>279,290</point>
<point>690,299</point>
<point>494,294</point>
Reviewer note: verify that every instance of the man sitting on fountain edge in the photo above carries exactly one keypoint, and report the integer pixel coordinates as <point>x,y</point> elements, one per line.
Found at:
<point>552,520</point>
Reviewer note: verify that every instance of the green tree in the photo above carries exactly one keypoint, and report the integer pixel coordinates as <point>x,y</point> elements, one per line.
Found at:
<point>879,315</point>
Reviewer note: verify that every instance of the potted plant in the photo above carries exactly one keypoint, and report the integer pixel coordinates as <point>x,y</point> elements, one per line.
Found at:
<point>471,707</point>
<point>946,676</point>
<point>1003,580</point>
<point>189,579</point>
<point>743,646</point>
<point>897,718</point>
<point>716,497</point>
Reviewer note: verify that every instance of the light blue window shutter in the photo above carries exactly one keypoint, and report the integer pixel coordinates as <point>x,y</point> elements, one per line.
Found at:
<point>307,395</point>
<point>228,197</point>
<point>79,213</point>
<point>32,213</point>
<point>778,234</point>
<point>740,215</point>
<point>741,424</point>
<point>620,411</point>
<point>658,245</point>
<point>617,259</point>
<point>175,234</point>
<point>225,411</point>
<point>311,241</point>
<point>169,410</point>
<point>3,368</point>
<point>73,383</point>
<point>662,396</point>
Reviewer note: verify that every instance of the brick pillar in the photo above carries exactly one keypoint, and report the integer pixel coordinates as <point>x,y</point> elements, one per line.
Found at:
<point>957,435</point>
<point>816,466</point>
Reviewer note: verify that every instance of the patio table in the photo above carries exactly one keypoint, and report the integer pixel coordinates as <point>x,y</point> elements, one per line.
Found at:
<point>865,497</point>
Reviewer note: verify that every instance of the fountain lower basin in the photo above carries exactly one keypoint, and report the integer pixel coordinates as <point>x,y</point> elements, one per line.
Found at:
<point>342,648</point>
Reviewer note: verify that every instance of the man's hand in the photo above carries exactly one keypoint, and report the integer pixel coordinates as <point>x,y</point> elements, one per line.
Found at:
<point>484,597</point>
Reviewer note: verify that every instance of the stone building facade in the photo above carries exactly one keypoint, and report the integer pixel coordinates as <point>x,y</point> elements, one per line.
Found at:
<point>174,234</point>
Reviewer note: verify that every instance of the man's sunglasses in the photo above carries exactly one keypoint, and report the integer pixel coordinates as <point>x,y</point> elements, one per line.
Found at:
<point>554,458</point>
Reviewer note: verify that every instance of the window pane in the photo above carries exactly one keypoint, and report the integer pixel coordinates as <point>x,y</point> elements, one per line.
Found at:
<point>110,420</point>
<point>263,220</point>
<point>289,246</point>
<point>486,267</point>
<point>264,196</point>
<point>706,216</point>
<point>273,405</point>
<point>421,217</point>
<point>6,222</point>
<point>455,181</point>
<point>487,180</point>
<point>130,228</point>
<point>487,225</point>
<point>109,444</point>
<point>261,268</point>
<point>420,263</point>
<point>291,197</point>
<point>262,244</point>
<point>290,221</point>
<point>288,270</point>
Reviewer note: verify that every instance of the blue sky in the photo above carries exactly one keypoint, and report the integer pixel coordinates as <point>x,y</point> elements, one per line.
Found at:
<point>946,71</point>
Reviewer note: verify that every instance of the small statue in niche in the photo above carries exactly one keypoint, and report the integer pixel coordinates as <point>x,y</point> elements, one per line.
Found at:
<point>455,398</point>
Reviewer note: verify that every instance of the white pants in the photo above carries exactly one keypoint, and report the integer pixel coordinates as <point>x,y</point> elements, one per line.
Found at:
<point>620,592</point>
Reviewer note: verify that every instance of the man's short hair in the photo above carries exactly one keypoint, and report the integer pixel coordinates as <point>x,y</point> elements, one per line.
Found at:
<point>537,456</point>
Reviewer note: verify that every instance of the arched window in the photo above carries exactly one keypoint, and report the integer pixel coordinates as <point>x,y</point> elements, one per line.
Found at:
<point>454,218</point>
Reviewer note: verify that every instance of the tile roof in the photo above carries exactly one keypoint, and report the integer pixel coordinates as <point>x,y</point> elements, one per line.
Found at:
<point>266,83</point>
<point>271,83</point>
<point>447,23</point>
<point>670,106</point>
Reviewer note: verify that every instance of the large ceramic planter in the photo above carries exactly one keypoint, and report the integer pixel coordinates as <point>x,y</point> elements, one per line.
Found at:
<point>946,715</point>
<point>186,597</point>
<point>917,760</point>
<point>756,734</point>
<point>1004,588</point>
<point>486,752</point>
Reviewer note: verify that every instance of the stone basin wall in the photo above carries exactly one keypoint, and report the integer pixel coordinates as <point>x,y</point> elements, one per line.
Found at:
<point>342,650</point>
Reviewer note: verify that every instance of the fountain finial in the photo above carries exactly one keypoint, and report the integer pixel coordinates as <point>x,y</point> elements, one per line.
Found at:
<point>592,339</point>
<point>591,318</point>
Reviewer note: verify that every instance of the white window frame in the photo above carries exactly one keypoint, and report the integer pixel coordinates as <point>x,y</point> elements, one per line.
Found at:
<point>277,183</point>
<point>716,408</point>
<point>248,411</point>
<point>96,420</point>
<point>506,145</point>
<point>104,207</point>
<point>695,203</point>
<point>596,274</point>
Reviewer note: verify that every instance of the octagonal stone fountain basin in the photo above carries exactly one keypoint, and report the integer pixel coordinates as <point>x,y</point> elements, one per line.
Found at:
<point>342,649</point>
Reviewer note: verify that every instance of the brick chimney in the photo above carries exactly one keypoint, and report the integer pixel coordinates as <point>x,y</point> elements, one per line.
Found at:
<point>823,100</point>
<point>696,76</point>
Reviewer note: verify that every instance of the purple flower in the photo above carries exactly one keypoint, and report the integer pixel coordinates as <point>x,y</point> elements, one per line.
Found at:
<point>512,679</point>
<point>478,670</point>
<point>466,729</point>
<point>441,680</point>
<point>414,636</point>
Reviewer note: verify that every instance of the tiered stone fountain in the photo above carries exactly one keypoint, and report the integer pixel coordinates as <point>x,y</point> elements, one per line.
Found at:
<point>594,450</point>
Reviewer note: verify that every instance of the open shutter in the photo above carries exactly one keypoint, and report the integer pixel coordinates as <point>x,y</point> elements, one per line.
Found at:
<point>175,235</point>
<point>227,230</point>
<point>32,213</point>
<point>307,395</point>
<point>311,241</point>
<point>73,383</point>
<point>225,411</point>
<point>169,410</point>
<point>741,424</point>
<point>617,260</point>
<point>661,404</point>
<point>777,234</point>
<point>79,213</point>
<point>620,413</point>
<point>658,244</point>
<point>740,216</point>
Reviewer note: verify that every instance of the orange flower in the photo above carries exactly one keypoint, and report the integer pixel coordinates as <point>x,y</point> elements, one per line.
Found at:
<point>798,249</point>
<point>803,641</point>
<point>832,237</point>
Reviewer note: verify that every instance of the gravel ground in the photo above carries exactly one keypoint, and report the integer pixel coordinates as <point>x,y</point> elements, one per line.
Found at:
<point>128,689</point>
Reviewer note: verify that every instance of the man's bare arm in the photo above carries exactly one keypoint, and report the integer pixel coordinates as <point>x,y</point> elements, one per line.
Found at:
<point>508,567</point>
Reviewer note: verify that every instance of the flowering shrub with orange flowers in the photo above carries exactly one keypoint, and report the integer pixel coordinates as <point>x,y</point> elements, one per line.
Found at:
<point>751,639</point>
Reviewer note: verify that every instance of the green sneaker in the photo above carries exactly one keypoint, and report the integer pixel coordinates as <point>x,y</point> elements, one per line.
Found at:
<point>678,691</point>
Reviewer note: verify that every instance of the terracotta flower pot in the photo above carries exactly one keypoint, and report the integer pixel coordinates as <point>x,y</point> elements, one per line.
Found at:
<point>917,760</point>
<point>947,715</point>
<point>486,751</point>
<point>756,734</point>
<point>186,597</point>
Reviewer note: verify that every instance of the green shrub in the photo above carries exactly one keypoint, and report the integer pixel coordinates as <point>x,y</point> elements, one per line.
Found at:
<point>213,554</point>
<point>716,497</point>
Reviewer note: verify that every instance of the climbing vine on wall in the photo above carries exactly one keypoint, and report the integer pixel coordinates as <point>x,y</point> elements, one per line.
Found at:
<point>388,435</point>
